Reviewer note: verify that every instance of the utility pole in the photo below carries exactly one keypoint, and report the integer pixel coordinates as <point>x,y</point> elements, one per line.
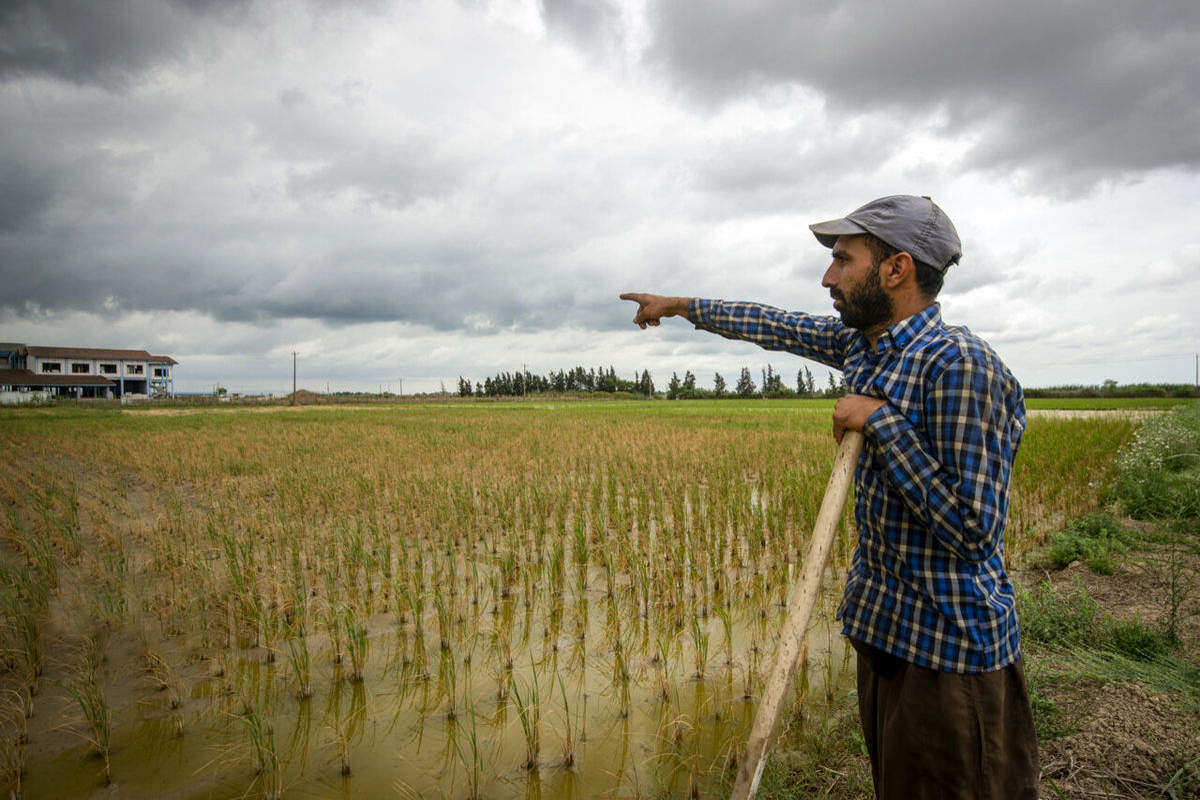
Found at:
<point>401,386</point>
<point>1198,373</point>
<point>293,377</point>
<point>524,390</point>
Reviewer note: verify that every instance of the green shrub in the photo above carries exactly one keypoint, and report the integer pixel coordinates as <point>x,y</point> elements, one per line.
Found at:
<point>1047,717</point>
<point>1138,640</point>
<point>1092,539</point>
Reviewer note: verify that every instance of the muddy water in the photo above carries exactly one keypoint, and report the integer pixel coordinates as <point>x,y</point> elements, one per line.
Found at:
<point>401,735</point>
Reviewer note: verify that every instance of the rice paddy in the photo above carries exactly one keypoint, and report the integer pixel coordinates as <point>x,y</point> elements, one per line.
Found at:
<point>459,600</point>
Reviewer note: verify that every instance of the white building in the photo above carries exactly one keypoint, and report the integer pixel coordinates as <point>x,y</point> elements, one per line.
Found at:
<point>85,372</point>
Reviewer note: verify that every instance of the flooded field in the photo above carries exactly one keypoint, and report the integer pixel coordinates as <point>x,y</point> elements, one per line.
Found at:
<point>525,600</point>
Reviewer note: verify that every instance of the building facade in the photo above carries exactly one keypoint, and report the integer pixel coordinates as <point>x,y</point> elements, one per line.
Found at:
<point>85,372</point>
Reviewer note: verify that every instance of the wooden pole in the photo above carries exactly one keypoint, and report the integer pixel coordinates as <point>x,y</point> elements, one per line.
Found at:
<point>804,597</point>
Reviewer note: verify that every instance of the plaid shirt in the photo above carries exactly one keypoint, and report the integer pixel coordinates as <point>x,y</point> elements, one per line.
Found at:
<point>927,581</point>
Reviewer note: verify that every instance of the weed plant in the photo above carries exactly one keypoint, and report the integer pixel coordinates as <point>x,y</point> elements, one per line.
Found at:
<point>1158,471</point>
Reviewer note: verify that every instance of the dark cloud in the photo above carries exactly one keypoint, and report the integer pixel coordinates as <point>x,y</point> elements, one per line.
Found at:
<point>86,42</point>
<point>1076,91</point>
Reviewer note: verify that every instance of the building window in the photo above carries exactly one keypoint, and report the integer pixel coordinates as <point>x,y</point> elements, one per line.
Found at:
<point>108,369</point>
<point>52,366</point>
<point>81,369</point>
<point>133,369</point>
<point>160,372</point>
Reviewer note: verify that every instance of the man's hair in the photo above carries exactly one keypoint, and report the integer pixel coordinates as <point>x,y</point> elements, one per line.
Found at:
<point>929,280</point>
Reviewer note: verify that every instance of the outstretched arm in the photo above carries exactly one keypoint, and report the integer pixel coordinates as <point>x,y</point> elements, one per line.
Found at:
<point>653,307</point>
<point>822,339</point>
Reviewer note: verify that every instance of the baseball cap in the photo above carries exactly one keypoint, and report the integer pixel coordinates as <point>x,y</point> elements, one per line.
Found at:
<point>913,224</point>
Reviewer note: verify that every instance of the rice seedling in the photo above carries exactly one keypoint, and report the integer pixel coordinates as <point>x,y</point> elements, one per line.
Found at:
<point>568,743</point>
<point>356,644</point>
<point>470,753</point>
<point>699,647</point>
<point>529,712</point>
<point>261,736</point>
<point>88,693</point>
<point>300,663</point>
<point>14,736</point>
<point>164,677</point>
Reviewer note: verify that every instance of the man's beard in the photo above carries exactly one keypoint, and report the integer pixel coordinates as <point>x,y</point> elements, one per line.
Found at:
<point>867,305</point>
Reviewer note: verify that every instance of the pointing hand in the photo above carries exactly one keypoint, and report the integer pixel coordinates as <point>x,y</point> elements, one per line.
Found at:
<point>653,307</point>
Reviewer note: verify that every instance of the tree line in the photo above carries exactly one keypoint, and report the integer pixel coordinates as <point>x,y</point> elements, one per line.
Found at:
<point>1110,388</point>
<point>580,379</point>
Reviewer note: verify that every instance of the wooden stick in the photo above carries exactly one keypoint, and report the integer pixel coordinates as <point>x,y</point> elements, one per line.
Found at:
<point>800,607</point>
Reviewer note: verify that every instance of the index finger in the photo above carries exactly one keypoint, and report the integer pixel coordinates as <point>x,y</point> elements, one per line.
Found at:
<point>634,296</point>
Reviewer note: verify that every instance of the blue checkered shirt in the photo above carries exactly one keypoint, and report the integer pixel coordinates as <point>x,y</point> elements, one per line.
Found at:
<point>927,581</point>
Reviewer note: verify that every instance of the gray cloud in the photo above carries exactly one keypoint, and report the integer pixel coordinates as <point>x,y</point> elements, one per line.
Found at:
<point>594,25</point>
<point>105,43</point>
<point>1074,92</point>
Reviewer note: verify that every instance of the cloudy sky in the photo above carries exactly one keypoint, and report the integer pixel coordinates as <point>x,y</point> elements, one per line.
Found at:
<point>417,189</point>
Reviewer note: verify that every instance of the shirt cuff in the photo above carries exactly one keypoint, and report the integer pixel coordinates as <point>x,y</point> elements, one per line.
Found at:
<point>697,312</point>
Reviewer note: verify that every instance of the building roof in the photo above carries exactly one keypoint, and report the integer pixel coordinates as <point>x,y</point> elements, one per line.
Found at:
<point>25,377</point>
<point>86,352</point>
<point>96,353</point>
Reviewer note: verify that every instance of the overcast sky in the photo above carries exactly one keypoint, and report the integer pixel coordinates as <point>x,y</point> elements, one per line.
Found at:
<point>419,190</point>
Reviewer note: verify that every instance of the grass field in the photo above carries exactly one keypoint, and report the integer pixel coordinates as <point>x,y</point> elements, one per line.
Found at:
<point>1108,403</point>
<point>558,599</point>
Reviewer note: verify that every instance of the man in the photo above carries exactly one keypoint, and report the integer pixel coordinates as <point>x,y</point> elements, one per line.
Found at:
<point>927,605</point>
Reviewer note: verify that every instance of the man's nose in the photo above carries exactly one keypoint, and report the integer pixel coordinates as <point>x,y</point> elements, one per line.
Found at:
<point>829,279</point>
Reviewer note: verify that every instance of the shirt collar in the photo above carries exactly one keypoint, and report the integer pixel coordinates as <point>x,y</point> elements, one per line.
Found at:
<point>898,336</point>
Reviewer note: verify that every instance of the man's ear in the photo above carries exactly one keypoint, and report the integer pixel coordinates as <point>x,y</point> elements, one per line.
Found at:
<point>897,269</point>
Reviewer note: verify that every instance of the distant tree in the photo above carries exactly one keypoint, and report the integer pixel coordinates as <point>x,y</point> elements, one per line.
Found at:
<point>673,387</point>
<point>689,381</point>
<point>745,385</point>
<point>805,387</point>
<point>464,387</point>
<point>718,385</point>
<point>772,383</point>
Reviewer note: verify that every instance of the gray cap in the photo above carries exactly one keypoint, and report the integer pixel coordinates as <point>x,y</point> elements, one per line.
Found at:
<point>907,222</point>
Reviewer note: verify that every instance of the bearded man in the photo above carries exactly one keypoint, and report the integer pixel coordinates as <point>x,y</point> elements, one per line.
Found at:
<point>928,605</point>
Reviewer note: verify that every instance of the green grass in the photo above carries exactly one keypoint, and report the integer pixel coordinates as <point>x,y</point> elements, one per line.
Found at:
<point>1073,640</point>
<point>1108,403</point>
<point>1065,619</point>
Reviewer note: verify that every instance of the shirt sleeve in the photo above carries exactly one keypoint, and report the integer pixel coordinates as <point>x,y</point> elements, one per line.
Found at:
<point>822,339</point>
<point>952,471</point>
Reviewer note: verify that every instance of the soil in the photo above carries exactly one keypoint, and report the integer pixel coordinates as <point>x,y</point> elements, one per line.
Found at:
<point>1131,742</point>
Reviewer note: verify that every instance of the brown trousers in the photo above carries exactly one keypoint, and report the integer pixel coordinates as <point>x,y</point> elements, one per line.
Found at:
<point>945,736</point>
